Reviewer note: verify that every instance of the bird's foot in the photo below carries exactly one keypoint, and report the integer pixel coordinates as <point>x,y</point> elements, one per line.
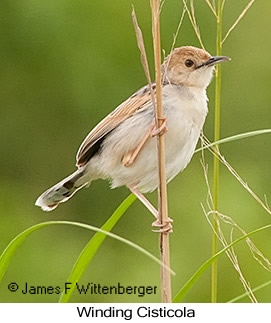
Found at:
<point>161,130</point>
<point>163,227</point>
<point>128,159</point>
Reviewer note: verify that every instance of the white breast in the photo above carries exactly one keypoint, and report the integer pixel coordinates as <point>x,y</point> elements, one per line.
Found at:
<point>185,110</point>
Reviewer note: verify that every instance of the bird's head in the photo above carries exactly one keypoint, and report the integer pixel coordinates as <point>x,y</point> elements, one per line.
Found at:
<point>191,66</point>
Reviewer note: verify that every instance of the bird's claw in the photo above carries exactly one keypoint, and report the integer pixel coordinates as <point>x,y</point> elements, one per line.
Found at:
<point>127,159</point>
<point>163,227</point>
<point>161,130</point>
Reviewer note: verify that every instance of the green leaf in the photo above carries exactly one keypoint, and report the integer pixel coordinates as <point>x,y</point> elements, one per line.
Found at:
<point>91,248</point>
<point>14,245</point>
<point>79,267</point>
<point>255,289</point>
<point>236,137</point>
<point>16,242</point>
<point>184,290</point>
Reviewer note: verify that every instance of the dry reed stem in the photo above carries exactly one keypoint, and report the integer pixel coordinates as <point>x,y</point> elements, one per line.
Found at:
<point>254,250</point>
<point>238,20</point>
<point>217,216</point>
<point>266,201</point>
<point>173,43</point>
<point>218,231</point>
<point>230,253</point>
<point>256,253</point>
<point>195,23</point>
<point>211,7</point>
<point>178,29</point>
<point>162,2</point>
<point>235,174</point>
<point>162,189</point>
<point>164,237</point>
<point>143,55</point>
<point>192,18</point>
<point>214,6</point>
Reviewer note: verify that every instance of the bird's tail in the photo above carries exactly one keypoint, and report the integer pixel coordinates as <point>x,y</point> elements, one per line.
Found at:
<point>63,190</point>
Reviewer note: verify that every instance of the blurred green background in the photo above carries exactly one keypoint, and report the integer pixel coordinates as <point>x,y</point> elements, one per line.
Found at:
<point>64,65</point>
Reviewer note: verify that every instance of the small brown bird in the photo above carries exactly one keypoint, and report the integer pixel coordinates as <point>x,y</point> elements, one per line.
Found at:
<point>122,146</point>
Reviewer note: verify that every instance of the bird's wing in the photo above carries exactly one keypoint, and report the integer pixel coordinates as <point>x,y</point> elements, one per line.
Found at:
<point>91,144</point>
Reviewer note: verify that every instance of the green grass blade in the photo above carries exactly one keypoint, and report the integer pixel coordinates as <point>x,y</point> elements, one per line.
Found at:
<point>6,256</point>
<point>17,241</point>
<point>237,298</point>
<point>8,253</point>
<point>91,248</point>
<point>93,245</point>
<point>236,137</point>
<point>184,290</point>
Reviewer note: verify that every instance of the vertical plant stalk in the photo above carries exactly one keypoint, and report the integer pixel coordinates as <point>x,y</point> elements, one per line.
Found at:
<point>162,189</point>
<point>217,137</point>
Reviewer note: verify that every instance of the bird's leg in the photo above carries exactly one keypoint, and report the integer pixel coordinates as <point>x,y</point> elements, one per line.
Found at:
<point>167,227</point>
<point>129,158</point>
<point>162,129</point>
<point>144,200</point>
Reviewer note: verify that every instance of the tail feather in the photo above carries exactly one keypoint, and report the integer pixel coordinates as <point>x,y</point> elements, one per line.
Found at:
<point>62,191</point>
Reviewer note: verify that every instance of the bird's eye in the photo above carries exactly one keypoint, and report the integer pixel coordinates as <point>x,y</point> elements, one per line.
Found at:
<point>189,63</point>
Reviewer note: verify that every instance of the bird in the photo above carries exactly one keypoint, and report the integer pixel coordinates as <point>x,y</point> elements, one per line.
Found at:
<point>122,147</point>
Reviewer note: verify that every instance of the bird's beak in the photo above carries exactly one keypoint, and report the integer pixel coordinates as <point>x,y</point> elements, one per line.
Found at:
<point>215,60</point>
